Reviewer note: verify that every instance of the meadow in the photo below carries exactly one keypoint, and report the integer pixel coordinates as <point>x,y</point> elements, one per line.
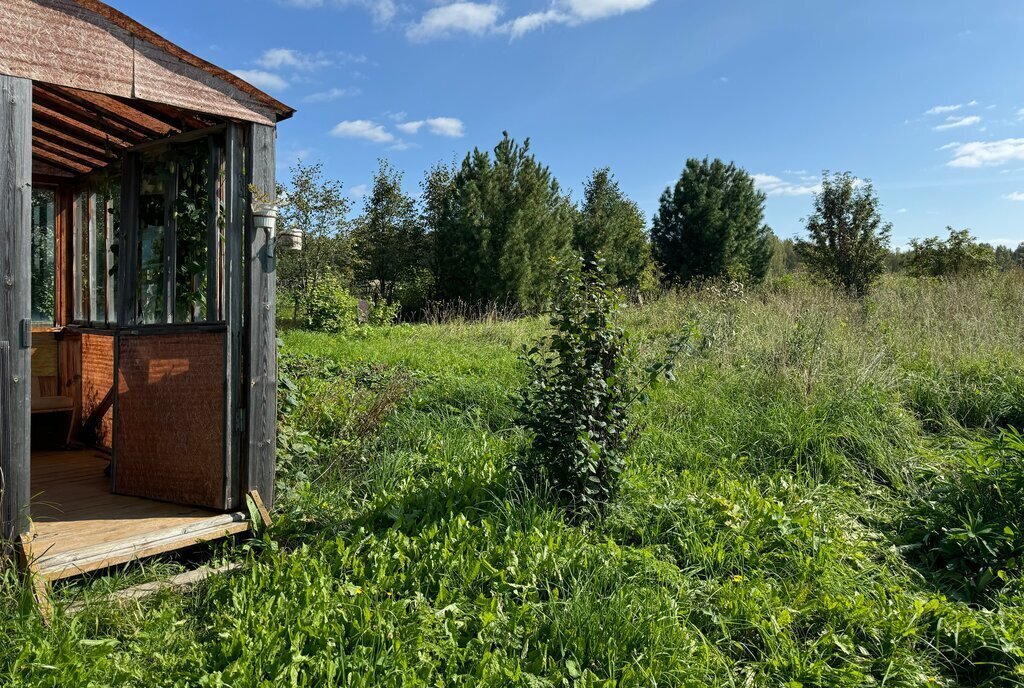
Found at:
<point>830,493</point>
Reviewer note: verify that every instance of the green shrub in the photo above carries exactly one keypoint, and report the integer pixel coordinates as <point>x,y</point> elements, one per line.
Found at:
<point>576,405</point>
<point>969,533</point>
<point>328,307</point>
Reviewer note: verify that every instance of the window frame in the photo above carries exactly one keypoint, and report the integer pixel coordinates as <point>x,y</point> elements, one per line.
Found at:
<point>215,235</point>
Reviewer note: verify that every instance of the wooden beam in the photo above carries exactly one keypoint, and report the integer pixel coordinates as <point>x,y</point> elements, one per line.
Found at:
<point>108,110</point>
<point>78,130</point>
<point>261,312</point>
<point>64,256</point>
<point>234,397</point>
<point>60,161</point>
<point>80,145</point>
<point>57,102</point>
<point>15,302</point>
<point>128,242</point>
<point>84,159</point>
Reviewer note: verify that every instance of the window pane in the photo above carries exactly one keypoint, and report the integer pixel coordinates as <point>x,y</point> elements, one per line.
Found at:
<point>82,215</point>
<point>44,284</point>
<point>191,217</point>
<point>157,174</point>
<point>98,259</point>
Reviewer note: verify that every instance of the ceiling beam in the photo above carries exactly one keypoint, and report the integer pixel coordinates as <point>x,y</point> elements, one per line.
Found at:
<point>67,153</point>
<point>78,130</point>
<point>59,161</point>
<point>92,116</point>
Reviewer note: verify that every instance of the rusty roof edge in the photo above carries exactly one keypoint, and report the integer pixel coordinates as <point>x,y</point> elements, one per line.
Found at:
<point>133,27</point>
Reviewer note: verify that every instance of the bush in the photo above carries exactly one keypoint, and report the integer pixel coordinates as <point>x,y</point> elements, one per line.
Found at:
<point>968,533</point>
<point>576,404</point>
<point>328,307</point>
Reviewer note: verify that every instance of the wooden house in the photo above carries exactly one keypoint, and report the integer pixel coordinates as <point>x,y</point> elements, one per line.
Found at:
<point>137,348</point>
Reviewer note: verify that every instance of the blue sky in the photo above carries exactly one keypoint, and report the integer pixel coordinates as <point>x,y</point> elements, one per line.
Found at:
<point>925,97</point>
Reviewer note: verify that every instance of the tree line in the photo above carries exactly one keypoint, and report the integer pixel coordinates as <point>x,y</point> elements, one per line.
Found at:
<point>495,228</point>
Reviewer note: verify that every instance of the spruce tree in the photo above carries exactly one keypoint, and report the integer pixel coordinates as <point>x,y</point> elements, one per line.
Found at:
<point>496,226</point>
<point>611,225</point>
<point>711,224</point>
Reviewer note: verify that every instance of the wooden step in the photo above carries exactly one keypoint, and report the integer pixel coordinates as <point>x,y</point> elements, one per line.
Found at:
<point>73,562</point>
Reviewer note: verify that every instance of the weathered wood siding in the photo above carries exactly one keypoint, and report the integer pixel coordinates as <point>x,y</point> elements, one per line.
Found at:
<point>262,344</point>
<point>15,306</point>
<point>61,42</point>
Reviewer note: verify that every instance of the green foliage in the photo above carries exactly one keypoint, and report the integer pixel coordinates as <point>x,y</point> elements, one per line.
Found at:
<point>318,208</point>
<point>848,242</point>
<point>611,225</point>
<point>329,307</point>
<point>710,225</point>
<point>752,541</point>
<point>576,407</point>
<point>496,224</point>
<point>191,209</point>
<point>969,533</point>
<point>960,254</point>
<point>389,242</point>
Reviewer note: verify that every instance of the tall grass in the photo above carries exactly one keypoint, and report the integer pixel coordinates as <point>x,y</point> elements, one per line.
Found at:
<point>759,538</point>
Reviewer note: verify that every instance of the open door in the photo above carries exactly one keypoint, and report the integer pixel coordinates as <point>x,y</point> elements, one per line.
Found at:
<point>169,427</point>
<point>175,365</point>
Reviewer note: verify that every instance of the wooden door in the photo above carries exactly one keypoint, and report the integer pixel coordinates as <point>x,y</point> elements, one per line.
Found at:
<point>169,417</point>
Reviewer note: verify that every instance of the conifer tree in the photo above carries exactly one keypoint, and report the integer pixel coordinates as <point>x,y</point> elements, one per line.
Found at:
<point>711,224</point>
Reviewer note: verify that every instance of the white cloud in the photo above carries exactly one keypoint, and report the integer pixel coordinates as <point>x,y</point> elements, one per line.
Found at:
<point>588,10</point>
<point>1020,113</point>
<point>943,109</point>
<point>480,18</point>
<point>451,127</point>
<point>774,186</point>
<point>331,95</point>
<point>988,153</point>
<point>362,129</point>
<point>383,11</point>
<point>411,127</point>
<point>446,126</point>
<point>1015,196</point>
<point>953,122</point>
<point>359,191</point>
<point>573,13</point>
<point>262,79</point>
<point>948,146</point>
<point>459,17</point>
<point>902,211</point>
<point>276,58</point>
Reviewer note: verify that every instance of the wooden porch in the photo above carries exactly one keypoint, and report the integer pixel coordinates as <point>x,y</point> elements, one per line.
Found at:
<point>80,526</point>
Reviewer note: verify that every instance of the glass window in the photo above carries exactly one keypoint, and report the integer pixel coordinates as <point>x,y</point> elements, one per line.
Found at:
<point>177,199</point>
<point>157,174</point>
<point>44,251</point>
<point>96,211</point>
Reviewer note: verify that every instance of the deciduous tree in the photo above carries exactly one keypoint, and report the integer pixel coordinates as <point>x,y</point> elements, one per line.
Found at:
<point>848,241</point>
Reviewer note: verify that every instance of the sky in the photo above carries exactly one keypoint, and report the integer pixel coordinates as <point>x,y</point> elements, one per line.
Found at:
<point>923,97</point>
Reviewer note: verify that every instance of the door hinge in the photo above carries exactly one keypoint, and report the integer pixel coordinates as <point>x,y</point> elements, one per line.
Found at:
<point>26,334</point>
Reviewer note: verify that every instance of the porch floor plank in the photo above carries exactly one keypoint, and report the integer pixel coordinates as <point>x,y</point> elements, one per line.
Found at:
<point>80,526</point>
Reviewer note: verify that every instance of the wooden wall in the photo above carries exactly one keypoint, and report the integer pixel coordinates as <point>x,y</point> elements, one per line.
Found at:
<point>261,312</point>
<point>15,306</point>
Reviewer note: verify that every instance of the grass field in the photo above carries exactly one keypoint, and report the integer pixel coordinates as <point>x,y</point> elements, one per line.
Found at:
<point>821,498</point>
